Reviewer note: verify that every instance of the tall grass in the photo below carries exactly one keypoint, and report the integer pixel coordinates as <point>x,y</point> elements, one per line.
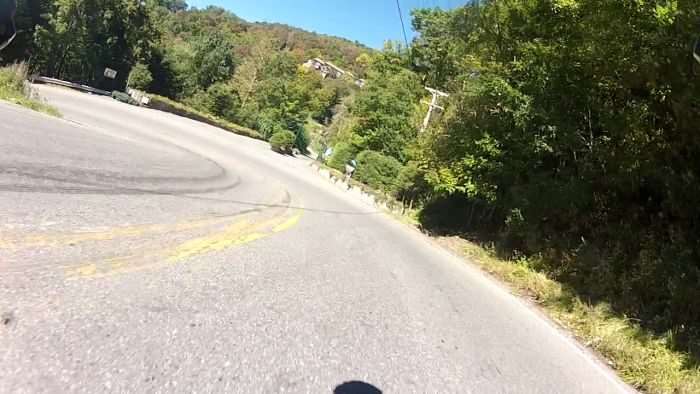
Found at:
<point>15,89</point>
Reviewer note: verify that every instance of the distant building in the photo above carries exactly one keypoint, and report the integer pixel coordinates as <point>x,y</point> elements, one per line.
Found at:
<point>326,69</point>
<point>330,70</point>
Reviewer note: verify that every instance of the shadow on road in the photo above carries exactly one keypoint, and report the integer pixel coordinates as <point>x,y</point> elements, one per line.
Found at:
<point>356,387</point>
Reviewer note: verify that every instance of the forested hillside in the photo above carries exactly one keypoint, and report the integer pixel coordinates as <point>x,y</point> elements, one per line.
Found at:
<point>210,59</point>
<point>570,138</point>
<point>572,132</point>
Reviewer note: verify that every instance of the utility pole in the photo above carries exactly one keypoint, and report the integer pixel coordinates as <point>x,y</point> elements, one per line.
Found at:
<point>432,105</point>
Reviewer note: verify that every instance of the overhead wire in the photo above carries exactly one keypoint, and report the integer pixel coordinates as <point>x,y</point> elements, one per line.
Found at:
<point>403,27</point>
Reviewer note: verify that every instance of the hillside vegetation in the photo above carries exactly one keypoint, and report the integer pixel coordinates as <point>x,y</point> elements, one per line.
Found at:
<point>209,59</point>
<point>569,142</point>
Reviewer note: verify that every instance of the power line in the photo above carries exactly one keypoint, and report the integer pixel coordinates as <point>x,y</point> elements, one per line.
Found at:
<point>403,27</point>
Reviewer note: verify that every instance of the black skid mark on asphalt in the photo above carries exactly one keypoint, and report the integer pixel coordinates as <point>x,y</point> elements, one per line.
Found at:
<point>76,181</point>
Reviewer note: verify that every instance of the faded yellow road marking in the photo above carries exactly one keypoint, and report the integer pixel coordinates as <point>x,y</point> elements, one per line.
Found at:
<point>210,243</point>
<point>238,233</point>
<point>39,240</point>
<point>287,224</point>
<point>235,235</point>
<point>87,270</point>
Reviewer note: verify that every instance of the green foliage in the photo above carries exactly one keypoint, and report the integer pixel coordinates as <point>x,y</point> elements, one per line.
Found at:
<point>410,183</point>
<point>571,130</point>
<point>13,88</point>
<point>212,59</point>
<point>282,141</point>
<point>301,140</point>
<point>219,100</point>
<point>435,57</point>
<point>385,108</point>
<point>642,360</point>
<point>12,79</point>
<point>268,125</point>
<point>305,45</point>
<point>342,154</point>
<point>29,15</point>
<point>139,77</point>
<point>82,37</point>
<point>378,171</point>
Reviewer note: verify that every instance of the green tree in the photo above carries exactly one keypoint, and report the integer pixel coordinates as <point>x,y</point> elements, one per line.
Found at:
<point>385,108</point>
<point>434,56</point>
<point>212,60</point>
<point>82,37</point>
<point>139,77</point>
<point>572,123</point>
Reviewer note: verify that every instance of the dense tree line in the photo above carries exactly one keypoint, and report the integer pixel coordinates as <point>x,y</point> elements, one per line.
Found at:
<point>570,133</point>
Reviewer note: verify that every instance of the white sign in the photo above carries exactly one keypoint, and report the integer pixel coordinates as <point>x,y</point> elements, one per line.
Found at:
<point>109,73</point>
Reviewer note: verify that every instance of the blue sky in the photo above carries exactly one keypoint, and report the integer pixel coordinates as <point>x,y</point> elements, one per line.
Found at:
<point>370,22</point>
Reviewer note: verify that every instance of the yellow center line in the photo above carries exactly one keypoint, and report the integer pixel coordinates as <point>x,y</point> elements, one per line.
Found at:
<point>287,224</point>
<point>236,234</point>
<point>39,240</point>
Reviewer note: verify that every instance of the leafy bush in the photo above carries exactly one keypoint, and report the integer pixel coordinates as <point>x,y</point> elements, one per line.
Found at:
<point>268,125</point>
<point>223,100</point>
<point>282,141</point>
<point>378,171</point>
<point>219,100</point>
<point>342,153</point>
<point>411,184</point>
<point>140,77</point>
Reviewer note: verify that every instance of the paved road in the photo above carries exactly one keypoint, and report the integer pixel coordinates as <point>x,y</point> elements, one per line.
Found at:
<point>143,252</point>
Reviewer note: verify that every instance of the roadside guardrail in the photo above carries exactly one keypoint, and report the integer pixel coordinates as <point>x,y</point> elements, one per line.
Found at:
<point>72,85</point>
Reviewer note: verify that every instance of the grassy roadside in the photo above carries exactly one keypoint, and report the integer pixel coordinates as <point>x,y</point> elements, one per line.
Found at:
<point>643,360</point>
<point>14,88</point>
<point>167,105</point>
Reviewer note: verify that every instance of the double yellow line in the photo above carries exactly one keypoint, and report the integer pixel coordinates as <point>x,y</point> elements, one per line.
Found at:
<point>220,233</point>
<point>239,232</point>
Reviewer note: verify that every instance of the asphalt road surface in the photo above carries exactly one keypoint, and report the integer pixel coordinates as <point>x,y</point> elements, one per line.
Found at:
<point>143,252</point>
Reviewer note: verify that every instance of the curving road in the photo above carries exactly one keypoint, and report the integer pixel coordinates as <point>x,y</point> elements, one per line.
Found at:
<point>143,252</point>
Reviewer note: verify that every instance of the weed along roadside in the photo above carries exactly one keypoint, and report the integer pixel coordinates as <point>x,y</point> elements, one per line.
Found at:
<point>15,89</point>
